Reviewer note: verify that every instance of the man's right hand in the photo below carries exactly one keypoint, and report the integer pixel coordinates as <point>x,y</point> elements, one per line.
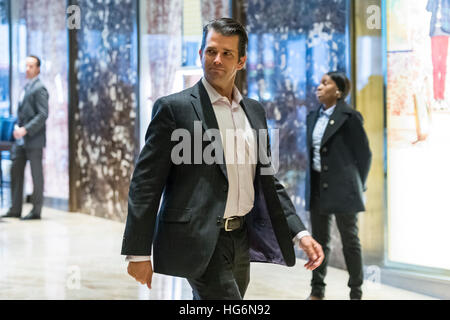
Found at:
<point>142,272</point>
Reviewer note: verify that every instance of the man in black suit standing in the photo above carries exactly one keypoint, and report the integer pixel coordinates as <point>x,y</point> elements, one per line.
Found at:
<point>215,216</point>
<point>29,135</point>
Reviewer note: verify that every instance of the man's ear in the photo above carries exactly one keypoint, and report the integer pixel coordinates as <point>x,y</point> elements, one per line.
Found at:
<point>241,62</point>
<point>200,53</point>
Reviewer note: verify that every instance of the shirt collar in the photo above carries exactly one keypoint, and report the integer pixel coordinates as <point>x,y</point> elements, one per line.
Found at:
<point>32,81</point>
<point>327,112</point>
<point>214,96</point>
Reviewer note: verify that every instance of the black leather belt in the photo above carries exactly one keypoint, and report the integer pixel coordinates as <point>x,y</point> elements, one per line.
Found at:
<point>231,223</point>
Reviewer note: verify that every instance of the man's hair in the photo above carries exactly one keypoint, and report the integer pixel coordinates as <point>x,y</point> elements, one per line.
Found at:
<point>38,61</point>
<point>227,27</point>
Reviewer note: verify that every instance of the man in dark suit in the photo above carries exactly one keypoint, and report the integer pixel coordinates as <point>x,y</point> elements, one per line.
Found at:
<point>29,137</point>
<point>215,216</point>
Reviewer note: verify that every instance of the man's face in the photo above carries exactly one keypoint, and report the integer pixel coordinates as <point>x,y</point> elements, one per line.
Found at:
<point>32,68</point>
<point>220,59</point>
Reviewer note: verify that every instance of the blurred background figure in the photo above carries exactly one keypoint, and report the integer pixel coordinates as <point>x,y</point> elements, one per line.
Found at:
<point>29,135</point>
<point>339,164</point>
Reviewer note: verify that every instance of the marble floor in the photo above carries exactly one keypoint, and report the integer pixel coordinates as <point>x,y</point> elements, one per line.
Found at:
<point>76,256</point>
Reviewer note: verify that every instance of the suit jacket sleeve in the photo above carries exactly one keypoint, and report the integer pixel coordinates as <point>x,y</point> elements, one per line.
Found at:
<point>294,222</point>
<point>360,147</point>
<point>40,97</point>
<point>148,181</point>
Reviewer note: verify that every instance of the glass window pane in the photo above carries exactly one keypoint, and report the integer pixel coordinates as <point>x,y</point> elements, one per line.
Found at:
<point>418,117</point>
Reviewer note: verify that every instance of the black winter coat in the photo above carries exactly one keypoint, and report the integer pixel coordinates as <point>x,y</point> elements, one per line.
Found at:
<point>345,161</point>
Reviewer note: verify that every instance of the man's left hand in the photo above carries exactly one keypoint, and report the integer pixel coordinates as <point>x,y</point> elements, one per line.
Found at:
<point>19,132</point>
<point>313,250</point>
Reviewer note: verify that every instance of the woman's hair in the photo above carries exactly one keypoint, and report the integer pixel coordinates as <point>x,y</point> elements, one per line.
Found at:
<point>342,82</point>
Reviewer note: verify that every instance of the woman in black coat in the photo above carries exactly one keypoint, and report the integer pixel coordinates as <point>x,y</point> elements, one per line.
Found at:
<point>339,162</point>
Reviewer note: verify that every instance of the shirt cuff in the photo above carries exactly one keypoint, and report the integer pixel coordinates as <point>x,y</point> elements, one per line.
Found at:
<point>300,235</point>
<point>137,258</point>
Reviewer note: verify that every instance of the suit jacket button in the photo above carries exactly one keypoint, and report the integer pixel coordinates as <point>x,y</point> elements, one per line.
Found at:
<point>325,185</point>
<point>325,168</point>
<point>324,149</point>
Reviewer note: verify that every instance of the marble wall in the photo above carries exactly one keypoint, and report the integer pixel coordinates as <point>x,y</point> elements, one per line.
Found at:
<point>292,44</point>
<point>161,36</point>
<point>104,113</point>
<point>213,9</point>
<point>39,28</point>
<point>4,59</point>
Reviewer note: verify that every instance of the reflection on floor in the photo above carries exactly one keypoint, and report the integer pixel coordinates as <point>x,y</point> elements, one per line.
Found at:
<point>76,256</point>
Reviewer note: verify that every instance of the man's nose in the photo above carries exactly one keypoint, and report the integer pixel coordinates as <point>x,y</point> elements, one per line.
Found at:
<point>218,59</point>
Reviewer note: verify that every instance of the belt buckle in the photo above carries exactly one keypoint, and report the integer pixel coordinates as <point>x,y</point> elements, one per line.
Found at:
<point>226,223</point>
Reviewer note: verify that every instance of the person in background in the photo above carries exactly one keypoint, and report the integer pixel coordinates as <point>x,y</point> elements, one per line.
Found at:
<point>339,163</point>
<point>30,139</point>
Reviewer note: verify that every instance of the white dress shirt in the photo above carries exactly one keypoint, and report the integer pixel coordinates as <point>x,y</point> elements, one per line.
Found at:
<point>28,85</point>
<point>239,146</point>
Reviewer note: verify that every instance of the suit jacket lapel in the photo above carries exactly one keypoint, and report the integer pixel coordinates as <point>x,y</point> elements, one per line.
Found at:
<point>337,119</point>
<point>256,122</point>
<point>251,116</point>
<point>204,109</point>
<point>28,88</point>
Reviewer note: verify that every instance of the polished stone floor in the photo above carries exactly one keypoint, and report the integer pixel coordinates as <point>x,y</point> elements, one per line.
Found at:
<point>76,256</point>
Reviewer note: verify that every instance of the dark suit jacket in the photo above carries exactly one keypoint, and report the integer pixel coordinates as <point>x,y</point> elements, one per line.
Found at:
<point>345,161</point>
<point>185,232</point>
<point>32,113</point>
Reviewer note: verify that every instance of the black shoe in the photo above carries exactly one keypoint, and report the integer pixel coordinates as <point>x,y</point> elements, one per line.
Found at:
<point>356,294</point>
<point>316,294</point>
<point>31,216</point>
<point>9,214</point>
<point>311,297</point>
